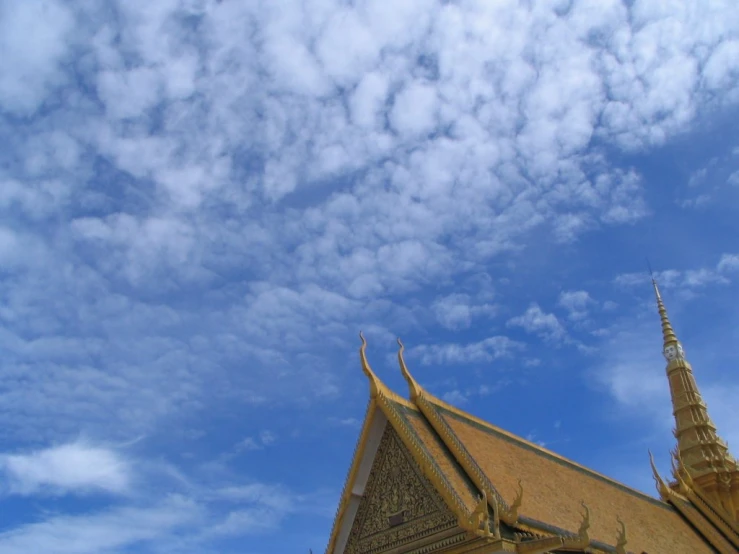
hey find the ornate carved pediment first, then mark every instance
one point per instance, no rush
(400, 506)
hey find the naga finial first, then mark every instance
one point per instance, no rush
(674, 464)
(621, 540)
(478, 521)
(683, 469)
(366, 367)
(582, 539)
(661, 486)
(585, 525)
(517, 501)
(413, 387)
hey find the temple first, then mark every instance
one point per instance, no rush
(427, 478)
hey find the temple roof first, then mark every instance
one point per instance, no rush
(555, 488)
(425, 446)
(528, 487)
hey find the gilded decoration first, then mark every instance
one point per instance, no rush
(400, 506)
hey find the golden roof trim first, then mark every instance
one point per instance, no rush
(421, 399)
(709, 533)
(539, 546)
(377, 390)
(501, 511)
(709, 510)
(384, 398)
(705, 526)
(429, 467)
(346, 492)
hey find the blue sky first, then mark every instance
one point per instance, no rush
(203, 202)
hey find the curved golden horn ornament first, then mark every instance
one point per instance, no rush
(621, 540)
(661, 486)
(374, 387)
(413, 387)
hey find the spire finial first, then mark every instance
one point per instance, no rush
(668, 333)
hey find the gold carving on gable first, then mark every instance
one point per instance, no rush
(400, 506)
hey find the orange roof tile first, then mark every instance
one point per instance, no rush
(554, 488)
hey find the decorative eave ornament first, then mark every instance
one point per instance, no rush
(662, 488)
(375, 384)
(621, 539)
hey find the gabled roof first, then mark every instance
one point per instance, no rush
(555, 488)
(552, 501)
(427, 449)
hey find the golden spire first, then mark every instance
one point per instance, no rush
(668, 333)
(702, 459)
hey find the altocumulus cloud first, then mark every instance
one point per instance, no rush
(68, 468)
(106, 531)
(189, 184)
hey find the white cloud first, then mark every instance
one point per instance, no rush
(414, 110)
(265, 438)
(631, 370)
(129, 93)
(535, 321)
(368, 100)
(454, 397)
(69, 468)
(34, 36)
(262, 507)
(105, 531)
(685, 280)
(722, 407)
(728, 262)
(576, 303)
(720, 70)
(486, 350)
(351, 422)
(249, 443)
(456, 311)
(697, 177)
